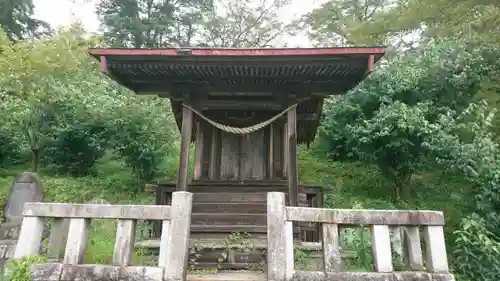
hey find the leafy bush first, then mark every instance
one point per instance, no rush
(19, 270)
(143, 135)
(75, 151)
(477, 251)
(388, 118)
(9, 149)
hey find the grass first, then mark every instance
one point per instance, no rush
(114, 182)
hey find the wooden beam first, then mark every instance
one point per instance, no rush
(186, 131)
(239, 104)
(305, 117)
(330, 88)
(285, 149)
(235, 79)
(293, 187)
(198, 156)
(271, 152)
(213, 169)
(371, 63)
(300, 117)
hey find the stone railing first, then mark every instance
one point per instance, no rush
(172, 263)
(280, 243)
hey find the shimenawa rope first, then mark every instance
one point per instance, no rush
(236, 130)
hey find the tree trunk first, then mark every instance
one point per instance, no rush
(35, 156)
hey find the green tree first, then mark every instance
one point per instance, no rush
(331, 23)
(475, 19)
(387, 120)
(32, 76)
(151, 23)
(246, 23)
(18, 22)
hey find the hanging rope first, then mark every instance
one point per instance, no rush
(236, 130)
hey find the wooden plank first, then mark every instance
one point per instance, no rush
(270, 167)
(365, 217)
(230, 186)
(278, 151)
(186, 131)
(436, 258)
(230, 156)
(97, 211)
(252, 156)
(236, 197)
(331, 248)
(215, 155)
(124, 242)
(207, 144)
(228, 219)
(381, 248)
(230, 207)
(198, 156)
(285, 150)
(77, 241)
(293, 176)
(228, 229)
(274, 182)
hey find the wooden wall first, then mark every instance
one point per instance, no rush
(224, 156)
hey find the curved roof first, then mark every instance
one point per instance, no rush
(243, 79)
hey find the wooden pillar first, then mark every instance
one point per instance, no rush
(291, 137)
(270, 162)
(198, 155)
(214, 166)
(285, 150)
(186, 131)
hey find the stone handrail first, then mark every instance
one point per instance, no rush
(280, 242)
(172, 264)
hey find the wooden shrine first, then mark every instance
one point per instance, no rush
(246, 110)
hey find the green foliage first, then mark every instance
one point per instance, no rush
(151, 24)
(19, 270)
(72, 114)
(18, 21)
(144, 135)
(387, 120)
(419, 113)
(477, 251)
(75, 150)
(9, 149)
(331, 24)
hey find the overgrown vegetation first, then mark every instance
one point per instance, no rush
(419, 133)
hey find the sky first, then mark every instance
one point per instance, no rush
(64, 12)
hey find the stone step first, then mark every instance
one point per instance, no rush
(228, 228)
(238, 253)
(257, 197)
(229, 276)
(219, 236)
(224, 242)
(230, 207)
(232, 219)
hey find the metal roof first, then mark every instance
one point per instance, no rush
(332, 70)
(174, 72)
